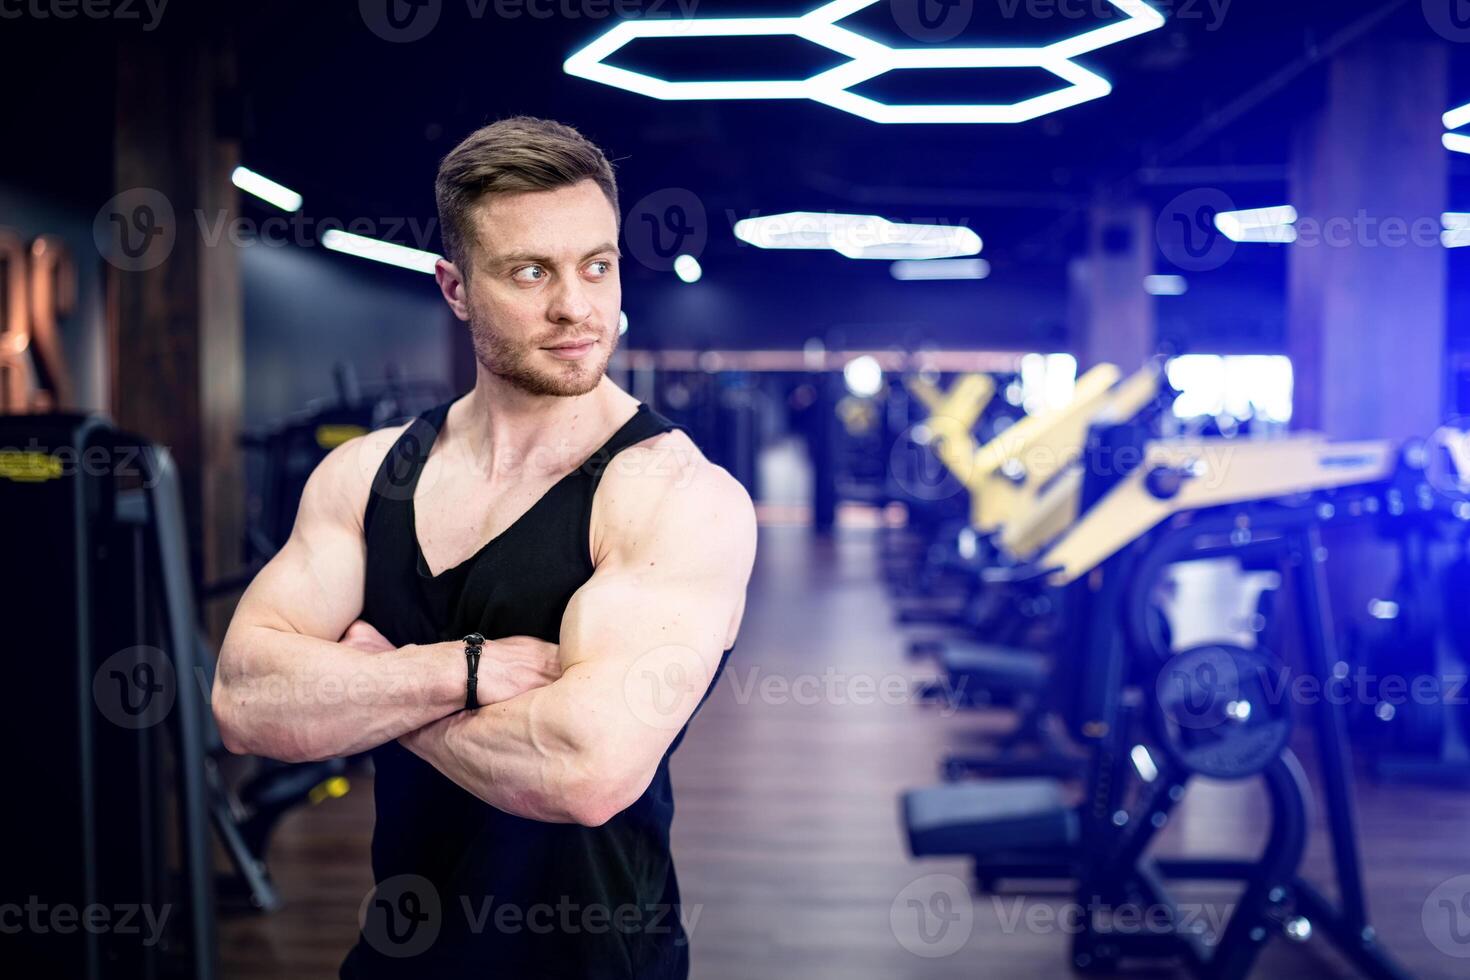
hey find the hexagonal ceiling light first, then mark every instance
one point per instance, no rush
(868, 59)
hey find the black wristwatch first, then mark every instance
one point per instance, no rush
(473, 645)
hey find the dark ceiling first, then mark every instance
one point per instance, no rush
(358, 123)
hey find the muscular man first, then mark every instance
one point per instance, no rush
(523, 819)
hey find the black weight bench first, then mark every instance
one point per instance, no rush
(991, 818)
(986, 666)
(990, 675)
(986, 674)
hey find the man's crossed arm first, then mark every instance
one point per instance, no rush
(640, 644)
(300, 679)
(570, 733)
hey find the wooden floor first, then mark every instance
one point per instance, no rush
(787, 837)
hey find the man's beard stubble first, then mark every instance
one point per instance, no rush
(513, 363)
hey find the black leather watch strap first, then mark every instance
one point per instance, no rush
(473, 646)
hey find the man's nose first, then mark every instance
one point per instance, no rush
(570, 304)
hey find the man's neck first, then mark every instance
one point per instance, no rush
(504, 430)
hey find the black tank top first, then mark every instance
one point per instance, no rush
(465, 889)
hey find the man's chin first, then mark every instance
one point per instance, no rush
(564, 381)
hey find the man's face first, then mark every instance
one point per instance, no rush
(544, 294)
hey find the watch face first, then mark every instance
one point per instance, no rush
(475, 639)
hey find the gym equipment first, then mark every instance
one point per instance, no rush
(1215, 715)
(948, 429)
(1026, 485)
(285, 454)
(1042, 506)
(108, 678)
(950, 552)
(1004, 661)
(1193, 475)
(1412, 647)
(1010, 472)
(1213, 712)
(119, 496)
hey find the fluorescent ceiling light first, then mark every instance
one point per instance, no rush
(1272, 225)
(266, 189)
(686, 267)
(909, 270)
(858, 236)
(378, 251)
(1457, 117)
(1165, 285)
(863, 376)
(1456, 232)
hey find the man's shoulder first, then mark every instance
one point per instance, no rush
(666, 482)
(343, 481)
(661, 467)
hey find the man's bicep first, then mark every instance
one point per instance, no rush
(623, 610)
(639, 653)
(314, 585)
(675, 579)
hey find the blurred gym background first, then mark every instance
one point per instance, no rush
(1099, 387)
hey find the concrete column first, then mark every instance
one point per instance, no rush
(1366, 319)
(177, 346)
(1113, 317)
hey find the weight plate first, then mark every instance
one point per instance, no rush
(1221, 711)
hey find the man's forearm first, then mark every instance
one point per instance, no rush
(298, 698)
(552, 754)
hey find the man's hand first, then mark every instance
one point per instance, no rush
(508, 667)
(362, 636)
(515, 665)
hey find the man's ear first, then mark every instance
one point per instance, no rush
(452, 284)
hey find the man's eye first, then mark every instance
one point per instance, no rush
(606, 267)
(525, 274)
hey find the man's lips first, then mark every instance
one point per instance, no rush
(571, 350)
